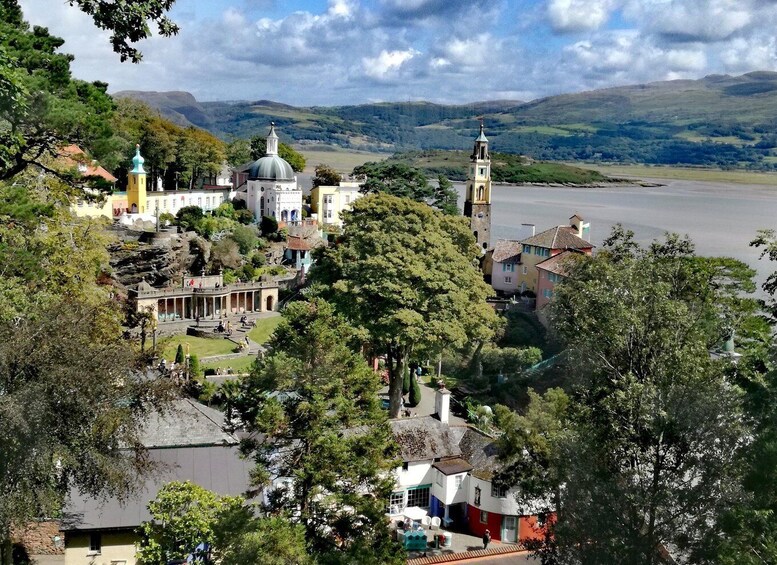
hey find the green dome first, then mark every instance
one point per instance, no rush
(137, 161)
(271, 167)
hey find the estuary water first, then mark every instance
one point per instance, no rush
(721, 218)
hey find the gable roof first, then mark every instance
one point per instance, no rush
(559, 264)
(560, 237)
(73, 155)
(482, 453)
(423, 438)
(507, 250)
(187, 423)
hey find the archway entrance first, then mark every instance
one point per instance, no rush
(270, 303)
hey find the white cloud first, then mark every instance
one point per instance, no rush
(692, 20)
(387, 63)
(579, 15)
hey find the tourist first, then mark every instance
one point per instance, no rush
(486, 539)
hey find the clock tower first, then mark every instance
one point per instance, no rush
(477, 204)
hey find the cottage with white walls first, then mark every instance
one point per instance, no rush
(447, 469)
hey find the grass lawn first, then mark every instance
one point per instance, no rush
(199, 346)
(687, 173)
(264, 329)
(237, 364)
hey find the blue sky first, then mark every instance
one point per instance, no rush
(335, 52)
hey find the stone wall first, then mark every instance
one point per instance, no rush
(39, 538)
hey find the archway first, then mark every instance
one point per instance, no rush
(481, 192)
(270, 303)
(284, 215)
(134, 209)
(294, 215)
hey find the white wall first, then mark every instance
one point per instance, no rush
(419, 473)
(498, 276)
(507, 505)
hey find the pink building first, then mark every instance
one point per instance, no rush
(552, 271)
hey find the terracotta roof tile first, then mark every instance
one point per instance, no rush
(507, 250)
(560, 237)
(558, 264)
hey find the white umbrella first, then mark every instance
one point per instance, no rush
(415, 512)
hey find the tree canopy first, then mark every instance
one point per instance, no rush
(646, 454)
(316, 401)
(408, 275)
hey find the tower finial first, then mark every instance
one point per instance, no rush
(272, 141)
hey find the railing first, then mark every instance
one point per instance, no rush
(211, 291)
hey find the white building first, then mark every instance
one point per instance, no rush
(271, 187)
(328, 202)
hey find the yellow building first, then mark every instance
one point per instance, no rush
(328, 202)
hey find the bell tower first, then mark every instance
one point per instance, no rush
(136, 187)
(477, 203)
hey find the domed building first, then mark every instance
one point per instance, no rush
(271, 186)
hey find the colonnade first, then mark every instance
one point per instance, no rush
(211, 307)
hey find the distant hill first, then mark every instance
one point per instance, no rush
(719, 120)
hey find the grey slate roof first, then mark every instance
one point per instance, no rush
(507, 250)
(560, 237)
(482, 453)
(215, 468)
(424, 438)
(187, 423)
(186, 443)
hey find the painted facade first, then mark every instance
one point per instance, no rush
(328, 202)
(550, 243)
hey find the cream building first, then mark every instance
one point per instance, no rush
(328, 202)
(138, 202)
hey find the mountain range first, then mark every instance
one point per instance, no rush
(720, 120)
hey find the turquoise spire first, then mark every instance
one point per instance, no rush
(137, 162)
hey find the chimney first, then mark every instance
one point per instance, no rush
(442, 404)
(577, 223)
(529, 227)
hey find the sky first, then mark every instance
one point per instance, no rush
(338, 52)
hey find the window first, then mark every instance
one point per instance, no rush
(525, 270)
(508, 279)
(459, 481)
(95, 542)
(542, 251)
(405, 466)
(164, 204)
(482, 170)
(418, 497)
(498, 492)
(508, 267)
(547, 293)
(347, 198)
(397, 502)
(527, 248)
(199, 201)
(483, 517)
(440, 478)
(553, 277)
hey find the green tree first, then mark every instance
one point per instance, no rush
(407, 274)
(406, 383)
(650, 456)
(41, 106)
(238, 152)
(72, 411)
(246, 238)
(240, 538)
(179, 356)
(195, 370)
(328, 434)
(415, 392)
(188, 217)
(183, 515)
(446, 199)
(259, 149)
(396, 179)
(268, 226)
(326, 176)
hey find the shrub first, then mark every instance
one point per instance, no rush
(179, 357)
(268, 225)
(415, 392)
(195, 370)
(406, 383)
(244, 217)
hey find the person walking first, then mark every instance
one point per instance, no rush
(486, 539)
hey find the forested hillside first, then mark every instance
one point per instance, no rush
(718, 120)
